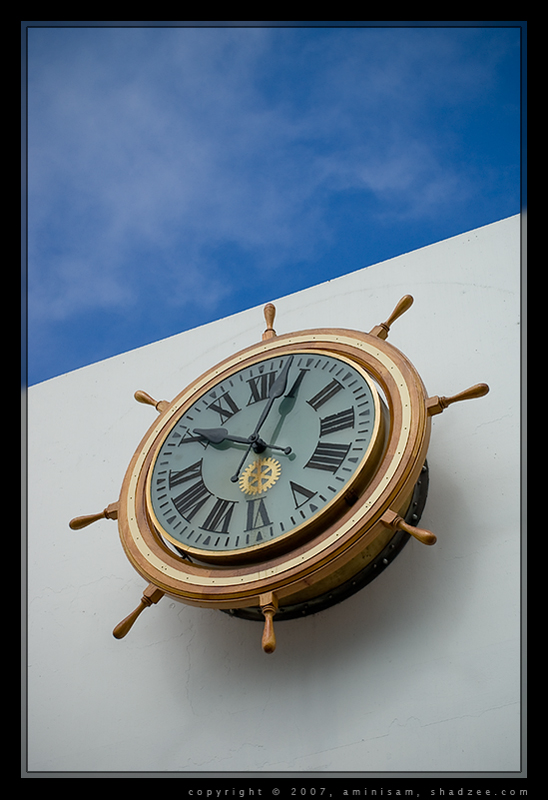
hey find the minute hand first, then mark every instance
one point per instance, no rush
(276, 390)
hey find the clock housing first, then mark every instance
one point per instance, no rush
(282, 479)
(350, 524)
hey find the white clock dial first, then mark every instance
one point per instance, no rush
(263, 452)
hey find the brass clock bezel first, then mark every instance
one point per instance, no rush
(343, 538)
(306, 529)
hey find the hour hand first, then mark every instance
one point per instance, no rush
(217, 435)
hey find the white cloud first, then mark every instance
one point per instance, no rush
(176, 141)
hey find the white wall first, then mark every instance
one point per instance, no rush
(418, 672)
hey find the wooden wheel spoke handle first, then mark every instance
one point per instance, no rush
(269, 606)
(144, 397)
(394, 521)
(151, 595)
(435, 405)
(383, 329)
(269, 314)
(110, 512)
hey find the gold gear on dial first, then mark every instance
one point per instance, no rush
(260, 476)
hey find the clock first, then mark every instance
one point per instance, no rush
(283, 479)
(265, 455)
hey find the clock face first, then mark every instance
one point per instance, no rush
(263, 454)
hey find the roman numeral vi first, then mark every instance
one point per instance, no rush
(257, 515)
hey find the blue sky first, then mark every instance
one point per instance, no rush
(178, 174)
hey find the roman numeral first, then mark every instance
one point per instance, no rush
(301, 494)
(257, 515)
(219, 517)
(337, 422)
(326, 394)
(192, 473)
(328, 456)
(225, 407)
(188, 437)
(260, 386)
(190, 501)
